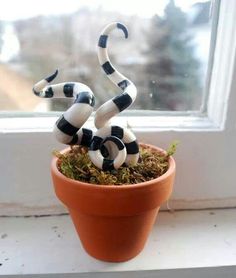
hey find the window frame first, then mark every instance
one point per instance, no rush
(205, 156)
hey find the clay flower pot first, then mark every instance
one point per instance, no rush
(113, 222)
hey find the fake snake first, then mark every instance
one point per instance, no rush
(110, 146)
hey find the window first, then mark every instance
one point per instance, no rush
(166, 55)
(205, 157)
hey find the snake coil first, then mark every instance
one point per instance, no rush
(110, 146)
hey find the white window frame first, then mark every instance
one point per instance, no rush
(205, 157)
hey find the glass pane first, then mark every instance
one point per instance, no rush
(166, 55)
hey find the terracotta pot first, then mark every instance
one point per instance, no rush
(113, 222)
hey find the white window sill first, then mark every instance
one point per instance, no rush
(182, 244)
(145, 122)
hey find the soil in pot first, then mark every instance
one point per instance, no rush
(76, 164)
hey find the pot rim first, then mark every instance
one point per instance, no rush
(171, 169)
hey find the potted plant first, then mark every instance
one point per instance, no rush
(112, 186)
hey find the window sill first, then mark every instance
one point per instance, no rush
(27, 144)
(202, 243)
(154, 122)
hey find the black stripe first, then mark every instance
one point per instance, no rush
(68, 89)
(85, 97)
(107, 164)
(123, 84)
(120, 145)
(96, 143)
(103, 41)
(86, 137)
(51, 77)
(74, 140)
(123, 101)
(132, 147)
(104, 151)
(117, 131)
(35, 92)
(107, 67)
(64, 126)
(49, 92)
(123, 28)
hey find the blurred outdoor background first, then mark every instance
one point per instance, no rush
(166, 55)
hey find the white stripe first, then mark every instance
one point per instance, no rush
(97, 158)
(104, 113)
(80, 87)
(40, 85)
(102, 55)
(131, 159)
(78, 114)
(120, 159)
(80, 135)
(58, 90)
(128, 136)
(116, 77)
(103, 132)
(61, 136)
(109, 28)
(132, 91)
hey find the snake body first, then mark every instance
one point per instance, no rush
(110, 146)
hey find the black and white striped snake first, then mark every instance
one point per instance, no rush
(110, 146)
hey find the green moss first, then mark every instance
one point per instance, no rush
(77, 165)
(172, 148)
